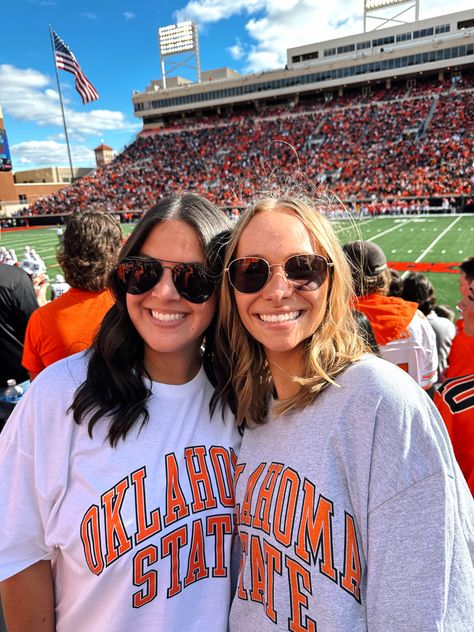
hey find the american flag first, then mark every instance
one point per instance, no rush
(65, 60)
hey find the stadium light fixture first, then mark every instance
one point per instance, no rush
(176, 39)
(382, 12)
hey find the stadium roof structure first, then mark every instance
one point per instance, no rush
(430, 47)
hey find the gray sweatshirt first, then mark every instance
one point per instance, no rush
(354, 515)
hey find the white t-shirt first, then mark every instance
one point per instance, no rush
(416, 354)
(139, 535)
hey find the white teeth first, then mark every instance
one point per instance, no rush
(279, 318)
(167, 318)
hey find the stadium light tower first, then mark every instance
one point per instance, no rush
(390, 12)
(176, 39)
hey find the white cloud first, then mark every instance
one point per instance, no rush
(275, 25)
(203, 11)
(27, 96)
(89, 16)
(42, 153)
(128, 15)
(237, 50)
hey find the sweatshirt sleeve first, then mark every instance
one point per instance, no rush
(420, 524)
(420, 572)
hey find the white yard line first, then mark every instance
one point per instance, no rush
(433, 243)
(389, 230)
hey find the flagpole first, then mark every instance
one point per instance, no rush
(62, 106)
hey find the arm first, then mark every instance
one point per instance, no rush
(420, 573)
(28, 599)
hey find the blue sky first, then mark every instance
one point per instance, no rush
(116, 44)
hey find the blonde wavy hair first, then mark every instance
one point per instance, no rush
(244, 378)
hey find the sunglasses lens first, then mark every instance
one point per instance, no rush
(306, 272)
(192, 282)
(138, 277)
(248, 275)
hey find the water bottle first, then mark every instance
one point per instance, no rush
(13, 392)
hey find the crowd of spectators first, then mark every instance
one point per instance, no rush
(388, 147)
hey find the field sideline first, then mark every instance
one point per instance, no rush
(431, 244)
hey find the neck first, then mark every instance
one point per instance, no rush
(171, 370)
(283, 367)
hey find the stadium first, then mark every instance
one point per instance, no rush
(382, 121)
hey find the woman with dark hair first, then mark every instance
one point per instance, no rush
(419, 289)
(352, 512)
(115, 478)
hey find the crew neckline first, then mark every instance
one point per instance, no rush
(180, 390)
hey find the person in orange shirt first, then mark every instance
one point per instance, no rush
(461, 356)
(87, 255)
(455, 400)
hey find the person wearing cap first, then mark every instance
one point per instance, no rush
(403, 333)
(62, 327)
(455, 400)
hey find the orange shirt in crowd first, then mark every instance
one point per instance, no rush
(461, 355)
(63, 327)
(455, 402)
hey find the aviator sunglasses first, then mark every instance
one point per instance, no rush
(304, 272)
(138, 275)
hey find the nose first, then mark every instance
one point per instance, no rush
(278, 287)
(165, 288)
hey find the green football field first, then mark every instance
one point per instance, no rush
(433, 245)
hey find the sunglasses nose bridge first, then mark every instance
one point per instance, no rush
(277, 281)
(166, 282)
(283, 272)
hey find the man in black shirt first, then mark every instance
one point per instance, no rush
(17, 302)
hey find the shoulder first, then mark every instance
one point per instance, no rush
(408, 438)
(45, 311)
(13, 275)
(62, 377)
(374, 375)
(421, 324)
(39, 419)
(384, 399)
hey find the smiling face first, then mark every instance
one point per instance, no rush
(466, 305)
(171, 327)
(278, 316)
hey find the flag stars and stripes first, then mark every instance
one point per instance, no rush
(65, 60)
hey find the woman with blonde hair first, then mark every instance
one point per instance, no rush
(351, 509)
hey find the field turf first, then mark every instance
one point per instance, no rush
(434, 245)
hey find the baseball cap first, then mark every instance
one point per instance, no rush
(365, 256)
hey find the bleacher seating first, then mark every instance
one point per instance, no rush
(388, 144)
